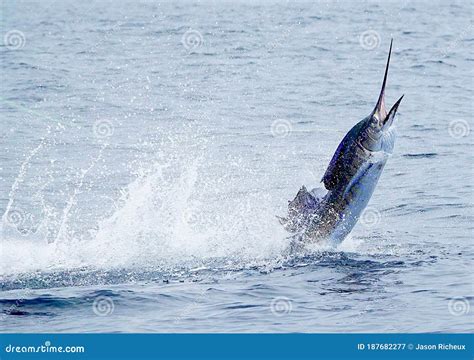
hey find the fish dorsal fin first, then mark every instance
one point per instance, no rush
(302, 199)
(301, 208)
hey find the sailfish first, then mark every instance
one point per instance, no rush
(331, 212)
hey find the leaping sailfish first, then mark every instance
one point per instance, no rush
(350, 179)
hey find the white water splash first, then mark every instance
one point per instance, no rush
(173, 213)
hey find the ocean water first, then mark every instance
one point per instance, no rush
(147, 147)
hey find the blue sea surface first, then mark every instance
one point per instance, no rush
(146, 148)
